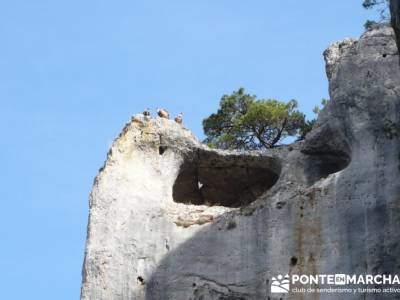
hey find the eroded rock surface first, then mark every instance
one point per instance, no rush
(173, 219)
(395, 19)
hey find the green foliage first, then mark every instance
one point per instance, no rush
(368, 4)
(308, 125)
(369, 24)
(317, 109)
(244, 122)
(306, 128)
(381, 6)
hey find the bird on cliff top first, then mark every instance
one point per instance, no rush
(146, 113)
(179, 118)
(163, 113)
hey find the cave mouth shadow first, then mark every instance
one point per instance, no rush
(321, 165)
(233, 180)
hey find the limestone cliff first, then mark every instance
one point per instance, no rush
(394, 7)
(173, 219)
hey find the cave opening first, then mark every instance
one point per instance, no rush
(209, 178)
(327, 151)
(321, 165)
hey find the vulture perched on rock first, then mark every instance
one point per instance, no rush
(179, 118)
(163, 113)
(146, 113)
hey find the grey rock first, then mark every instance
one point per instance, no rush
(172, 219)
(395, 20)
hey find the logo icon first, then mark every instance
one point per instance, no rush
(280, 284)
(340, 279)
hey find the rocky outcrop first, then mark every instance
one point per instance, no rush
(395, 19)
(173, 219)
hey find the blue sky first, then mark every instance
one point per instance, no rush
(73, 72)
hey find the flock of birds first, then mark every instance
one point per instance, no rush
(163, 113)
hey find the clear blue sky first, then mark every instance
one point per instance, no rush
(73, 72)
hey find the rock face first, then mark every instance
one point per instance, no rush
(395, 19)
(173, 219)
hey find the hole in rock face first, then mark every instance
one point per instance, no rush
(162, 149)
(293, 261)
(210, 178)
(327, 151)
(321, 165)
